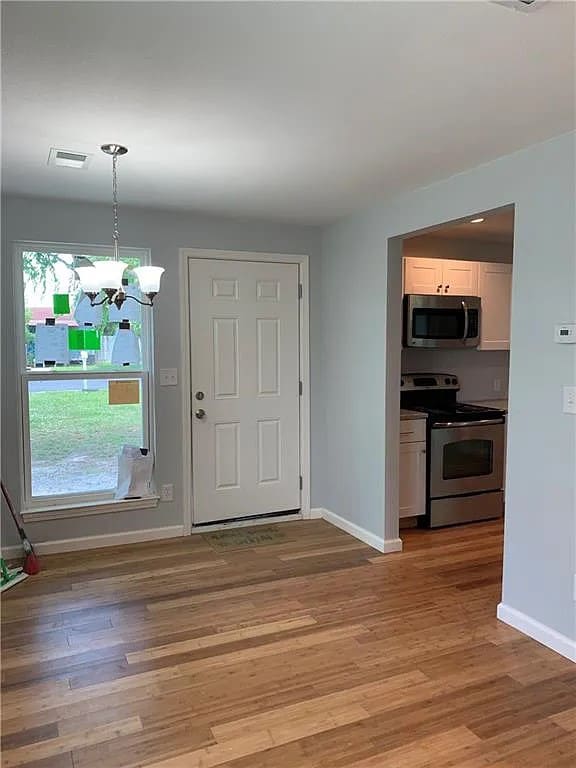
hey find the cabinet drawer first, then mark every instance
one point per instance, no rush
(412, 430)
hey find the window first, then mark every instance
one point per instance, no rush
(85, 377)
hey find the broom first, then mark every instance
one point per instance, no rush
(31, 562)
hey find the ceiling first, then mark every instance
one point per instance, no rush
(290, 111)
(497, 227)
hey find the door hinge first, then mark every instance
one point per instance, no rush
(301, 482)
(300, 388)
(299, 290)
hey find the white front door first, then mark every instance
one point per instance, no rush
(244, 338)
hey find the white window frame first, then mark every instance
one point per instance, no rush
(75, 501)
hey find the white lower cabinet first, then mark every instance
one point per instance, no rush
(412, 478)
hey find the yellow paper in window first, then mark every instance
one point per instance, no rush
(124, 392)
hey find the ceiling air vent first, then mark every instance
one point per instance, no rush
(66, 159)
(522, 5)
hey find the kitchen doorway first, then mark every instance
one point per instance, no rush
(451, 317)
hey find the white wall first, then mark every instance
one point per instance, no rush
(164, 232)
(360, 326)
(476, 369)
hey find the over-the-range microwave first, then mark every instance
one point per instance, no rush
(432, 322)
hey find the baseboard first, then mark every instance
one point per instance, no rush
(537, 631)
(392, 545)
(316, 513)
(382, 545)
(12, 552)
(96, 542)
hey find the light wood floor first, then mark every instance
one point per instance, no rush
(315, 652)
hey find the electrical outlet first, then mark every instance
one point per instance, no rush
(167, 492)
(168, 377)
(569, 400)
(497, 385)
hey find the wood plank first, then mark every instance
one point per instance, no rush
(63, 744)
(221, 638)
(315, 652)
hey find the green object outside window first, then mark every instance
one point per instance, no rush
(61, 303)
(91, 339)
(83, 339)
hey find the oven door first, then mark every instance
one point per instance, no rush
(441, 321)
(466, 457)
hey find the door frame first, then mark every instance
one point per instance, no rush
(185, 257)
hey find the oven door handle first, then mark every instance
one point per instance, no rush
(466, 321)
(479, 423)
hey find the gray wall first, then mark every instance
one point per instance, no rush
(164, 232)
(476, 369)
(360, 327)
(436, 247)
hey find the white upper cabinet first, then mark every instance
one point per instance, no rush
(495, 290)
(422, 275)
(460, 278)
(440, 276)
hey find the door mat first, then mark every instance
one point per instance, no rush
(239, 538)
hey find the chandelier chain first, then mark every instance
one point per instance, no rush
(115, 233)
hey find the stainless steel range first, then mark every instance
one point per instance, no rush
(465, 455)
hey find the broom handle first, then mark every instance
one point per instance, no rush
(15, 516)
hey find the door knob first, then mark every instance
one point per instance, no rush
(200, 413)
(446, 289)
(439, 288)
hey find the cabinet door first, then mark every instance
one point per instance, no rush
(460, 278)
(495, 290)
(422, 275)
(412, 479)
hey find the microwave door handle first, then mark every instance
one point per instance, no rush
(466, 321)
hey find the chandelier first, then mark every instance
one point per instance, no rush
(106, 276)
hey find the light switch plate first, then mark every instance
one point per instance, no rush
(168, 377)
(565, 333)
(569, 400)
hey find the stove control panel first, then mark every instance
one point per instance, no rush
(422, 381)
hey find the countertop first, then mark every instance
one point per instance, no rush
(405, 414)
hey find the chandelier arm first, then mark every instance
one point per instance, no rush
(98, 303)
(134, 298)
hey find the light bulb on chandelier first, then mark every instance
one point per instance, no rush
(106, 276)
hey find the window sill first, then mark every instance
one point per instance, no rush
(38, 514)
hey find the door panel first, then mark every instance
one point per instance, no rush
(227, 455)
(268, 450)
(244, 331)
(268, 330)
(225, 348)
